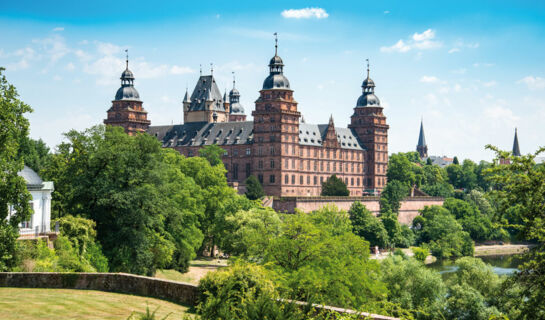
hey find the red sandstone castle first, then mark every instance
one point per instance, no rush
(287, 155)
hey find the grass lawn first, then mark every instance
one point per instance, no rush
(197, 269)
(23, 303)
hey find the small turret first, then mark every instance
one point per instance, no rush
(516, 148)
(422, 147)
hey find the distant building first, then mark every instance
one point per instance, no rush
(422, 147)
(515, 151)
(442, 161)
(39, 224)
(127, 110)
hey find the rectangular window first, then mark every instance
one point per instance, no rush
(272, 164)
(248, 151)
(286, 179)
(271, 178)
(235, 153)
(260, 164)
(315, 180)
(248, 169)
(235, 171)
(301, 180)
(292, 179)
(260, 178)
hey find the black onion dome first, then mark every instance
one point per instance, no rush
(234, 92)
(276, 81)
(127, 92)
(368, 99)
(237, 108)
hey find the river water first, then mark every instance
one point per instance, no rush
(502, 265)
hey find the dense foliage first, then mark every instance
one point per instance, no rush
(334, 187)
(254, 189)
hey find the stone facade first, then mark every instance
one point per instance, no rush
(287, 155)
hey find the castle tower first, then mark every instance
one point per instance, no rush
(126, 110)
(422, 147)
(236, 111)
(206, 103)
(276, 128)
(516, 148)
(370, 125)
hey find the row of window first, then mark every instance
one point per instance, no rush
(272, 179)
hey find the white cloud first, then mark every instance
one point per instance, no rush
(386, 12)
(453, 50)
(305, 13)
(180, 70)
(107, 49)
(57, 29)
(418, 41)
(400, 46)
(429, 79)
(426, 35)
(54, 47)
(57, 78)
(457, 87)
(533, 83)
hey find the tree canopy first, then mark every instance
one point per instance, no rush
(335, 187)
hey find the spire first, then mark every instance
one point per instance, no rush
(367, 67)
(211, 69)
(127, 60)
(200, 70)
(422, 147)
(275, 43)
(516, 149)
(331, 121)
(303, 119)
(233, 79)
(225, 96)
(186, 97)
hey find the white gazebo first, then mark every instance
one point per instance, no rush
(39, 224)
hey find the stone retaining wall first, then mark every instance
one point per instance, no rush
(409, 209)
(179, 292)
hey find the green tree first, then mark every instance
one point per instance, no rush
(34, 153)
(317, 258)
(14, 196)
(414, 286)
(247, 232)
(392, 195)
(254, 189)
(335, 187)
(520, 187)
(456, 161)
(445, 236)
(146, 209)
(398, 235)
(472, 290)
(213, 153)
(455, 175)
(367, 226)
(401, 169)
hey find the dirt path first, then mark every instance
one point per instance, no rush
(501, 249)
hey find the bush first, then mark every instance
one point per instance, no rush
(420, 254)
(254, 190)
(334, 186)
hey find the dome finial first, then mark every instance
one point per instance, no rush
(211, 68)
(127, 59)
(367, 67)
(233, 79)
(275, 43)
(200, 69)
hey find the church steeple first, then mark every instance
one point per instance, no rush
(516, 148)
(422, 147)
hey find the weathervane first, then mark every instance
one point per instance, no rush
(200, 69)
(367, 67)
(233, 79)
(211, 68)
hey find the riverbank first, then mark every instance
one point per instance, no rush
(500, 250)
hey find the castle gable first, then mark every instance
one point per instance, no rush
(314, 135)
(206, 90)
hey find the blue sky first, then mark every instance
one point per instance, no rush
(474, 70)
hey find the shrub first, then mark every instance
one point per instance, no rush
(420, 254)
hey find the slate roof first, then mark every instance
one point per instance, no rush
(203, 133)
(237, 133)
(440, 161)
(314, 134)
(421, 137)
(206, 89)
